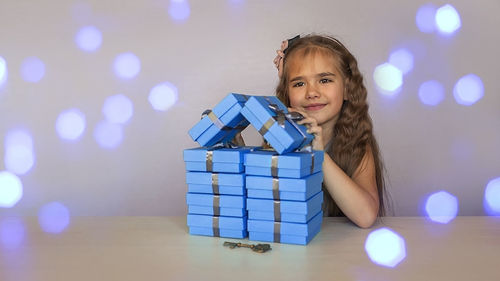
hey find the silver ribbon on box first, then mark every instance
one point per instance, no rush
(215, 226)
(276, 189)
(215, 184)
(277, 210)
(277, 232)
(216, 205)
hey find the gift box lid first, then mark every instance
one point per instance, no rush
(215, 178)
(284, 184)
(219, 189)
(201, 199)
(216, 154)
(234, 168)
(285, 206)
(205, 210)
(284, 217)
(292, 160)
(221, 222)
(269, 116)
(286, 228)
(221, 122)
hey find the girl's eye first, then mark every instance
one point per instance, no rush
(325, 80)
(298, 84)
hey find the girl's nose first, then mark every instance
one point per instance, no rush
(312, 92)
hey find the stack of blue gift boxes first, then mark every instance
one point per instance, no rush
(269, 195)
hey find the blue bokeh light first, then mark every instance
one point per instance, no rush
(70, 124)
(19, 155)
(108, 135)
(431, 93)
(468, 90)
(441, 207)
(89, 38)
(492, 197)
(127, 65)
(425, 18)
(385, 247)
(402, 59)
(11, 189)
(163, 96)
(179, 10)
(118, 109)
(447, 20)
(388, 78)
(3, 71)
(53, 217)
(12, 232)
(32, 69)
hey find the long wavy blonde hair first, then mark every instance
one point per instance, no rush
(353, 131)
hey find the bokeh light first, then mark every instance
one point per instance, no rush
(468, 90)
(388, 79)
(12, 232)
(385, 247)
(441, 207)
(108, 135)
(447, 20)
(425, 18)
(179, 10)
(3, 71)
(11, 189)
(163, 96)
(32, 69)
(431, 93)
(118, 109)
(89, 38)
(492, 197)
(402, 59)
(70, 124)
(53, 217)
(127, 65)
(19, 155)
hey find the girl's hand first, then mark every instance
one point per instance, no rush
(278, 60)
(312, 128)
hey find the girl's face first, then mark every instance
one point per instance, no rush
(316, 86)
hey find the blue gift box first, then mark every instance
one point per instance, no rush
(285, 232)
(216, 183)
(216, 201)
(283, 210)
(222, 211)
(290, 165)
(267, 115)
(219, 226)
(218, 159)
(283, 188)
(222, 123)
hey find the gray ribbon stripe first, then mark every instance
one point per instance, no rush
(277, 210)
(276, 189)
(216, 205)
(215, 226)
(274, 166)
(277, 230)
(215, 184)
(209, 160)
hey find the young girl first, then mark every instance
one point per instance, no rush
(320, 78)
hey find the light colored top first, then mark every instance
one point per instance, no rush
(160, 248)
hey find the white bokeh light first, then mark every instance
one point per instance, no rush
(447, 20)
(19, 153)
(431, 93)
(3, 71)
(492, 197)
(108, 135)
(163, 96)
(32, 69)
(441, 207)
(89, 38)
(118, 109)
(11, 189)
(385, 247)
(402, 59)
(127, 65)
(425, 18)
(179, 10)
(388, 79)
(468, 90)
(53, 217)
(70, 124)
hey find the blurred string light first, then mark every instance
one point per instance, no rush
(12, 232)
(179, 10)
(441, 207)
(431, 93)
(89, 38)
(108, 135)
(468, 90)
(447, 20)
(492, 197)
(425, 18)
(385, 247)
(32, 69)
(53, 217)
(19, 156)
(70, 124)
(163, 96)
(3, 71)
(402, 59)
(118, 109)
(388, 78)
(11, 189)
(126, 65)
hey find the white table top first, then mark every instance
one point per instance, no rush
(160, 248)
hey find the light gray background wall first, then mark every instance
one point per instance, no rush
(226, 47)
